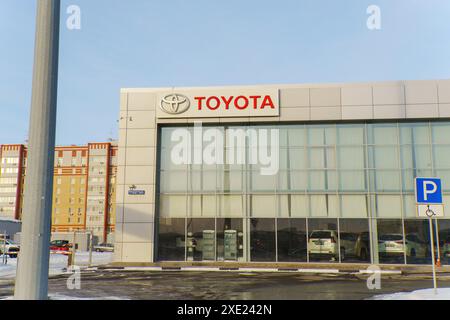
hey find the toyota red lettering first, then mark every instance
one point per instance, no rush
(240, 106)
(219, 103)
(209, 104)
(255, 101)
(227, 102)
(239, 103)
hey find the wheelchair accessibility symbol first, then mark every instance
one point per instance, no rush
(430, 213)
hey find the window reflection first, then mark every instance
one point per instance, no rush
(171, 240)
(417, 242)
(262, 239)
(350, 171)
(444, 240)
(390, 241)
(200, 240)
(323, 243)
(292, 243)
(354, 240)
(230, 240)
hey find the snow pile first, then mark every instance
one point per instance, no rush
(425, 294)
(58, 262)
(9, 270)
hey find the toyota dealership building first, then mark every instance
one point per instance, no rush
(281, 173)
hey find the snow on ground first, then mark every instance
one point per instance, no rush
(58, 296)
(425, 294)
(58, 262)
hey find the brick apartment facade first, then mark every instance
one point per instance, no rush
(83, 188)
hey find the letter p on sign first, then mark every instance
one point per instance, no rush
(428, 191)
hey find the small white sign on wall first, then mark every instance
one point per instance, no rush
(430, 211)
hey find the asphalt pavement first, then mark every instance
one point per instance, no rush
(140, 285)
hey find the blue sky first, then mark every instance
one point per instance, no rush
(156, 43)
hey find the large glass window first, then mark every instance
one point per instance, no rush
(323, 242)
(417, 241)
(230, 240)
(201, 240)
(262, 240)
(171, 240)
(354, 240)
(292, 240)
(444, 240)
(350, 172)
(390, 241)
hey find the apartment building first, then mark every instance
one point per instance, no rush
(83, 187)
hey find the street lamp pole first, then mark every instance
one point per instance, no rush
(33, 265)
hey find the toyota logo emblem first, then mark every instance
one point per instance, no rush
(175, 104)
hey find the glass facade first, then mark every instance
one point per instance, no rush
(342, 193)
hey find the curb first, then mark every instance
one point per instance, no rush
(224, 269)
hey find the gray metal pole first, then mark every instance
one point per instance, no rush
(437, 245)
(32, 269)
(433, 261)
(91, 238)
(74, 247)
(5, 257)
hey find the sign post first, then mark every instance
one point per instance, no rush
(438, 260)
(430, 220)
(429, 204)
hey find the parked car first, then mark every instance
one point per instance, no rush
(11, 248)
(104, 247)
(392, 244)
(60, 245)
(325, 243)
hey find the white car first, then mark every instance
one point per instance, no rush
(104, 247)
(325, 243)
(11, 249)
(392, 244)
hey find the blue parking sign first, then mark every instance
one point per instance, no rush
(428, 191)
